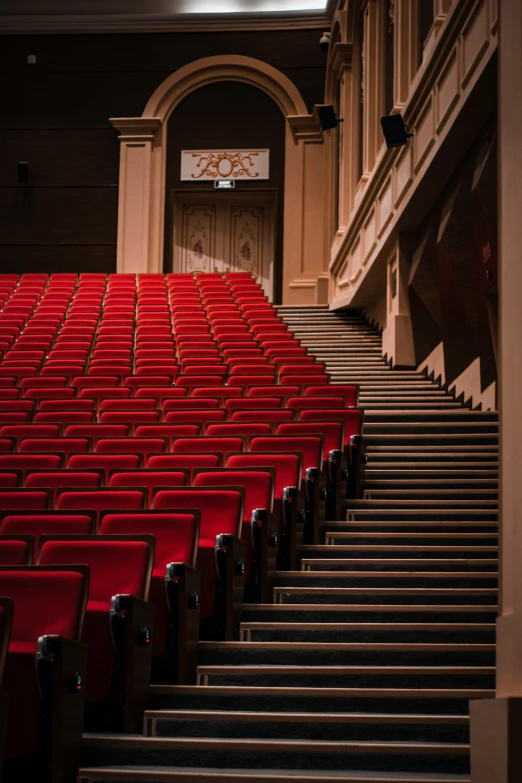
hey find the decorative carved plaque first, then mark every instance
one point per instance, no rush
(211, 165)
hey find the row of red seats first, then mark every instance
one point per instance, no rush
(233, 477)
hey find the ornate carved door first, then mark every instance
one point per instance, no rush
(225, 232)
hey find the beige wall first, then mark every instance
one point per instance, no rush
(496, 725)
(431, 97)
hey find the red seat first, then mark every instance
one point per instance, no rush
(142, 446)
(221, 513)
(177, 537)
(311, 447)
(30, 461)
(24, 499)
(161, 393)
(149, 478)
(55, 445)
(47, 523)
(9, 479)
(142, 404)
(304, 380)
(129, 417)
(352, 418)
(193, 381)
(190, 404)
(333, 433)
(202, 444)
(118, 567)
(239, 428)
(55, 480)
(95, 431)
(16, 550)
(349, 392)
(64, 417)
(199, 416)
(47, 602)
(105, 462)
(100, 499)
(310, 403)
(69, 405)
(262, 415)
(20, 431)
(185, 461)
(257, 403)
(252, 380)
(258, 485)
(169, 430)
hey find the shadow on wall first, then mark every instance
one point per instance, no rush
(453, 278)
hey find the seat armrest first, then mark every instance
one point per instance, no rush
(294, 520)
(61, 665)
(338, 475)
(265, 548)
(183, 585)
(357, 460)
(132, 627)
(230, 565)
(316, 496)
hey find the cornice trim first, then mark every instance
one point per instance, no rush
(153, 23)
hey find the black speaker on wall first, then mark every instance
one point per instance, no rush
(327, 117)
(396, 133)
(23, 172)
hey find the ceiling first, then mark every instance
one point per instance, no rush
(40, 16)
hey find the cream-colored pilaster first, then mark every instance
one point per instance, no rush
(134, 206)
(496, 724)
(397, 336)
(440, 12)
(305, 260)
(406, 49)
(374, 53)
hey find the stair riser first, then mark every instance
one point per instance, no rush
(316, 579)
(308, 702)
(486, 681)
(350, 657)
(295, 615)
(371, 732)
(450, 540)
(452, 636)
(376, 600)
(416, 564)
(299, 759)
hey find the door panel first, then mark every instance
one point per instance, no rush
(232, 233)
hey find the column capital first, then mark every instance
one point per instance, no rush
(306, 127)
(136, 128)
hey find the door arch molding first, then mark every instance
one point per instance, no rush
(141, 204)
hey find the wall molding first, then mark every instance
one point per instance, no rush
(466, 42)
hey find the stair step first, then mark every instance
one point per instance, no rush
(317, 672)
(371, 632)
(426, 701)
(379, 598)
(398, 578)
(422, 653)
(294, 754)
(307, 725)
(184, 775)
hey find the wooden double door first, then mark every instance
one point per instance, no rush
(225, 232)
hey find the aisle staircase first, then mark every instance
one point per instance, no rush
(362, 668)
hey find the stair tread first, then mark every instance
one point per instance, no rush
(187, 774)
(304, 717)
(119, 740)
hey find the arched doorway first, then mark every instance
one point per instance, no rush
(142, 197)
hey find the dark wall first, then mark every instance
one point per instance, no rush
(235, 116)
(55, 116)
(453, 279)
